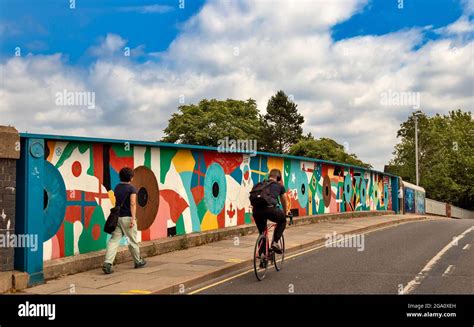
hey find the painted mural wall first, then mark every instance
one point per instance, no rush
(414, 198)
(184, 190)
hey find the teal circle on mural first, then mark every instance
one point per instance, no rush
(385, 196)
(363, 192)
(215, 188)
(54, 202)
(303, 191)
(375, 194)
(348, 189)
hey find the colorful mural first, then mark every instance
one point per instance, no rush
(184, 190)
(414, 198)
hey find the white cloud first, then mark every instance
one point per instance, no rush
(150, 9)
(244, 49)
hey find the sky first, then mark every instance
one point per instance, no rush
(356, 68)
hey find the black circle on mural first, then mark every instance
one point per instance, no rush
(148, 197)
(363, 192)
(326, 191)
(142, 197)
(45, 199)
(303, 189)
(215, 189)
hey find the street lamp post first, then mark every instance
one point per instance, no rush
(416, 150)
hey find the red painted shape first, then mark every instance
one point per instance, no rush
(246, 175)
(176, 203)
(228, 161)
(146, 235)
(73, 213)
(240, 216)
(96, 232)
(118, 163)
(76, 168)
(60, 235)
(221, 219)
(97, 151)
(88, 211)
(198, 193)
(231, 212)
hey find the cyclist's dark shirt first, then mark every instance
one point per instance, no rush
(276, 189)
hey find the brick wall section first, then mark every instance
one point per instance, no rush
(9, 154)
(7, 210)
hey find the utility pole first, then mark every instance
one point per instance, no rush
(416, 149)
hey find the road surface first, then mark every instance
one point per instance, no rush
(426, 257)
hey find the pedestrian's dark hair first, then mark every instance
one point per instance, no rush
(126, 174)
(275, 173)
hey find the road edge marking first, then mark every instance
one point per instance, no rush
(411, 286)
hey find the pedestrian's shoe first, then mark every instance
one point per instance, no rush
(276, 247)
(140, 264)
(107, 268)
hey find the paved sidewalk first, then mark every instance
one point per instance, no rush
(177, 271)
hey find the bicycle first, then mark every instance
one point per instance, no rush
(263, 253)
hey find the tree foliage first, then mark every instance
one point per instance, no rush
(212, 120)
(325, 149)
(281, 125)
(446, 156)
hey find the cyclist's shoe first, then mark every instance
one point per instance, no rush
(276, 247)
(263, 263)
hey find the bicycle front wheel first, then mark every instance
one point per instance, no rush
(279, 258)
(260, 264)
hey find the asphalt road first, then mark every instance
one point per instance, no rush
(391, 258)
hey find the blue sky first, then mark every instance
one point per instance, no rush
(337, 58)
(47, 27)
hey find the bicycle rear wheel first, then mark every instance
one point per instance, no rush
(279, 258)
(260, 264)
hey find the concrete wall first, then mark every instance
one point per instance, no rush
(9, 153)
(435, 207)
(182, 189)
(461, 213)
(445, 209)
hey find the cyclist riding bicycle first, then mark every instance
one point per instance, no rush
(271, 211)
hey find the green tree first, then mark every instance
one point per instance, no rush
(212, 120)
(446, 156)
(325, 149)
(281, 125)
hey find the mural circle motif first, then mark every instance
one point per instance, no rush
(348, 189)
(302, 189)
(363, 192)
(148, 196)
(385, 196)
(215, 188)
(55, 200)
(326, 191)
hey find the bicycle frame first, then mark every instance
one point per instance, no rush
(265, 234)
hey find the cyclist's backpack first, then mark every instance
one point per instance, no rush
(260, 194)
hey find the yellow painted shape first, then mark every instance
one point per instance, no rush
(275, 162)
(112, 197)
(183, 161)
(209, 222)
